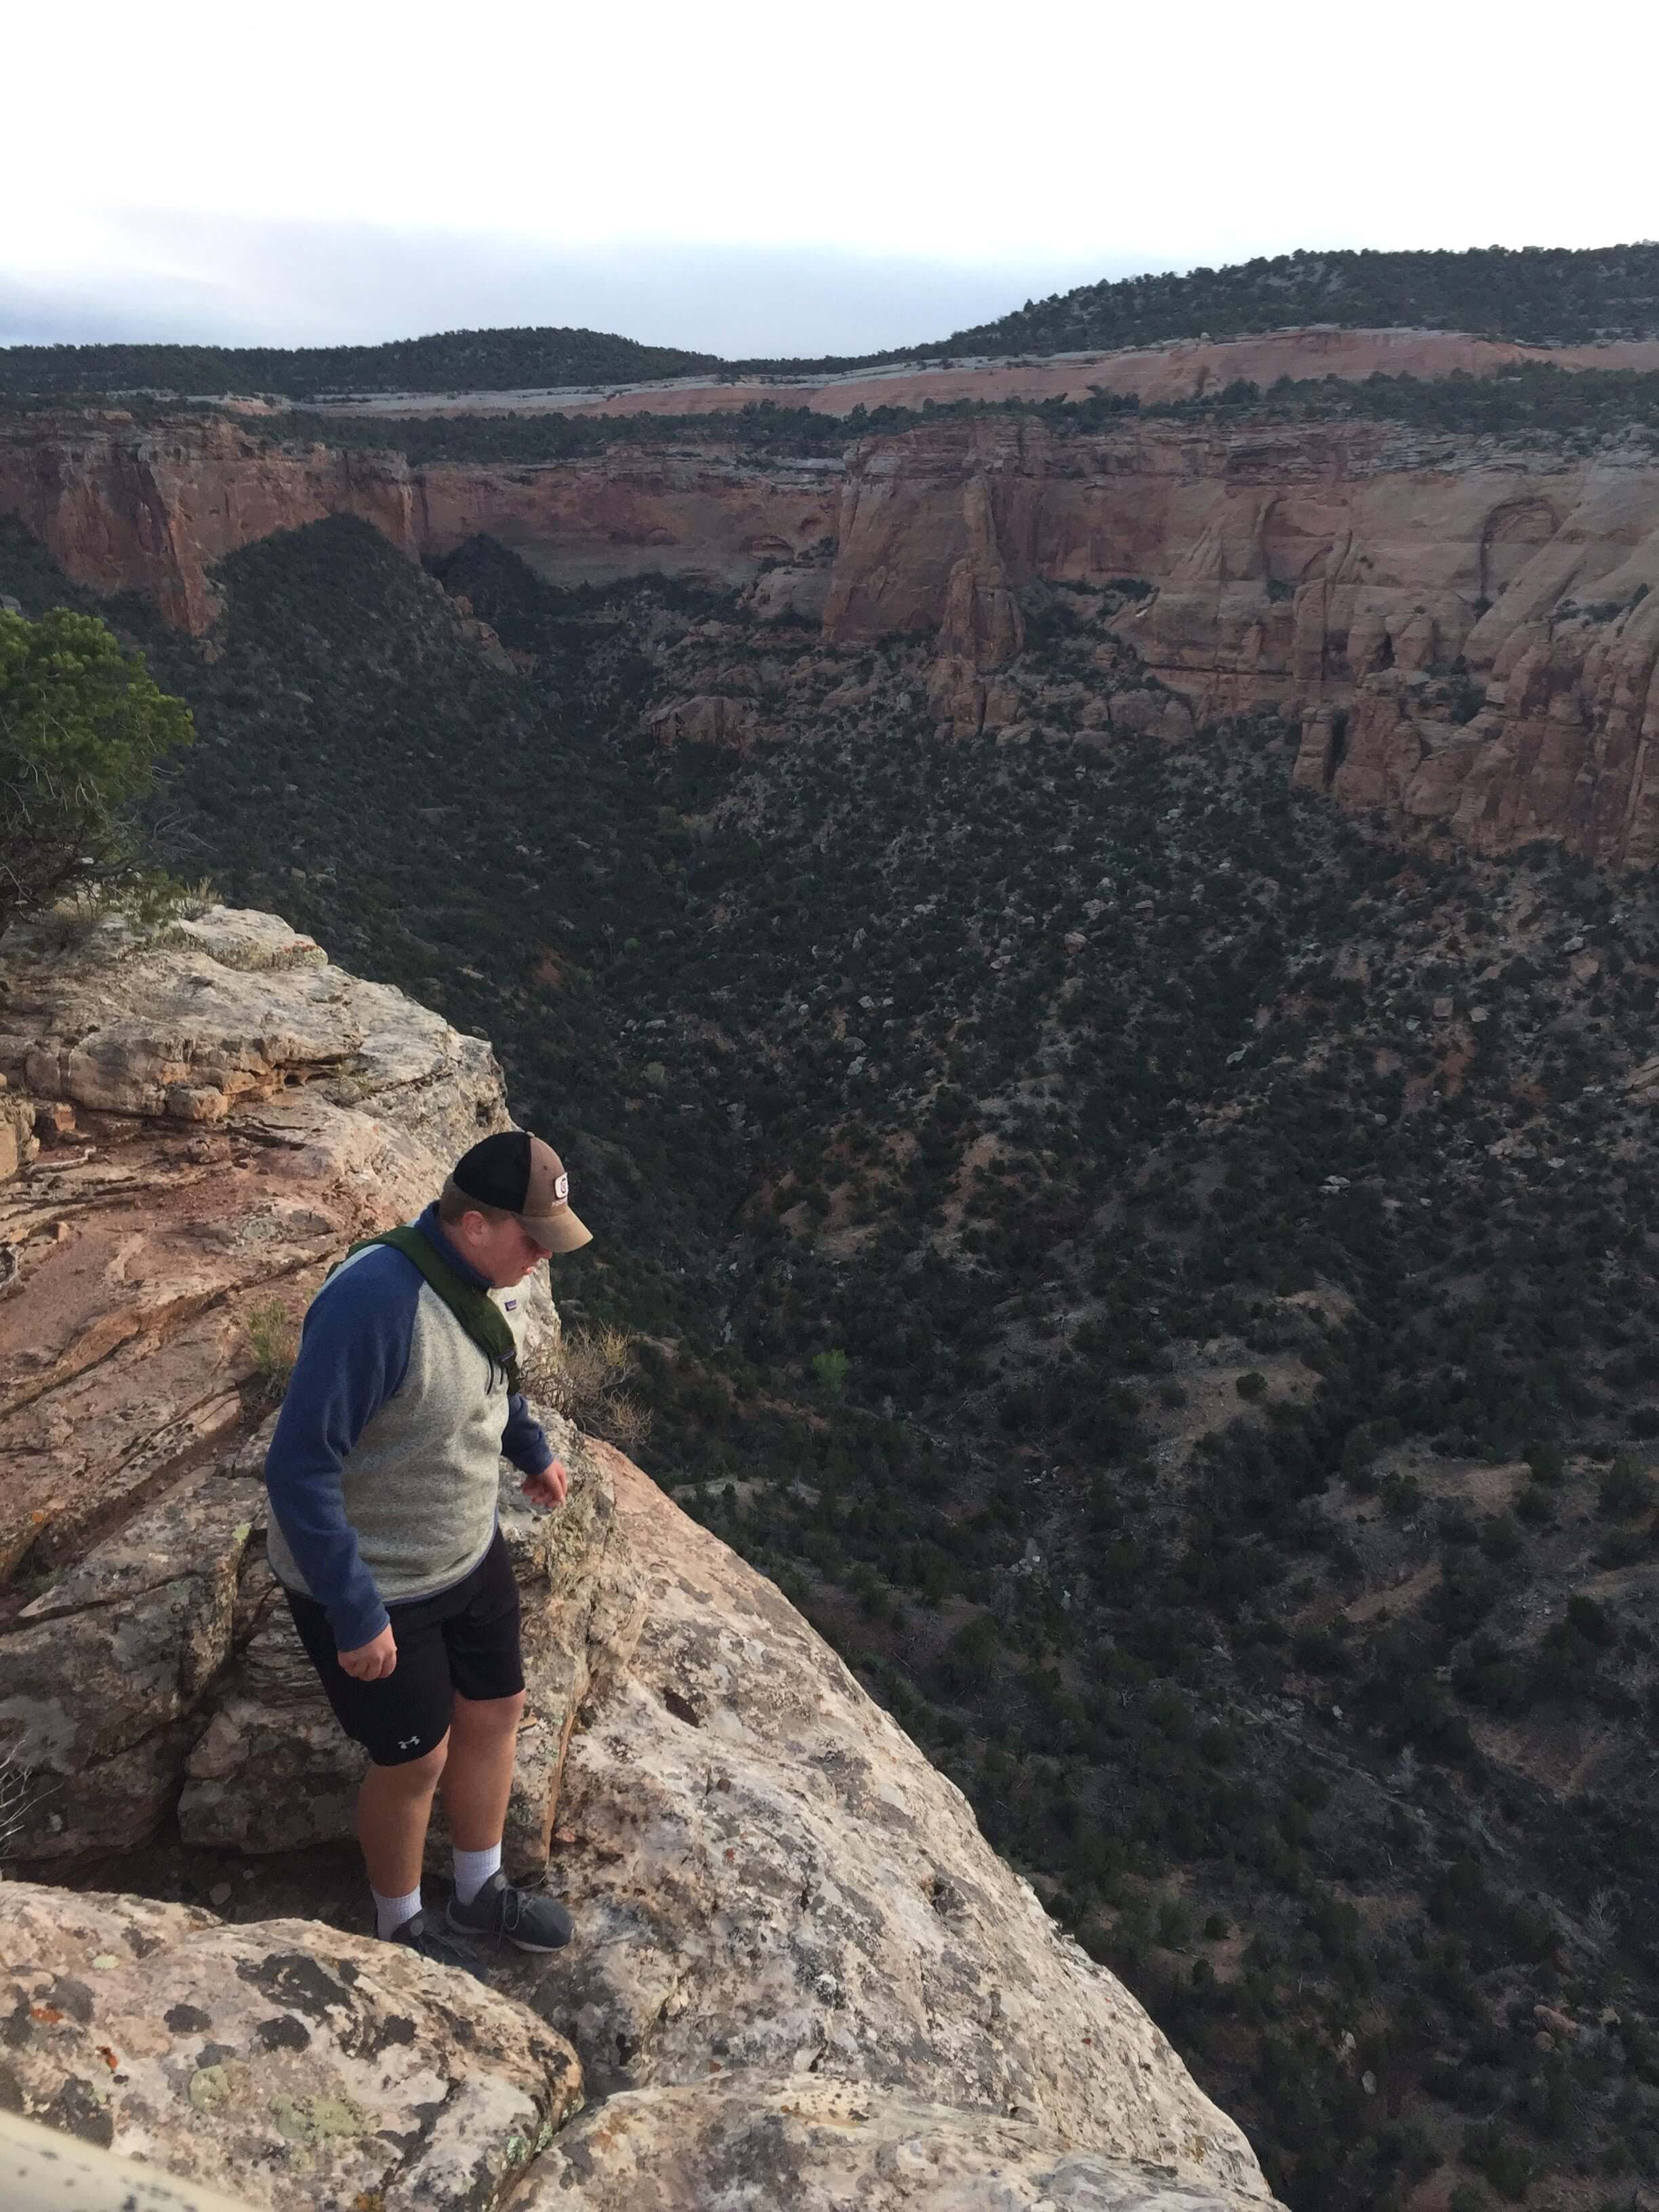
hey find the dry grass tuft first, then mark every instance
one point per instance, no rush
(584, 1377)
(15, 1796)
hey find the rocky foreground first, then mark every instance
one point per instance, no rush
(800, 1974)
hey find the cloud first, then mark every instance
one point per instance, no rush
(145, 274)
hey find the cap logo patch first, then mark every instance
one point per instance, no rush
(562, 1187)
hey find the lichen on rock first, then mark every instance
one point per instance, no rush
(280, 2061)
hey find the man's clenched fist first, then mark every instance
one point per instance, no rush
(369, 1661)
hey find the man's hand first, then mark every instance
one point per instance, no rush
(370, 1663)
(548, 1487)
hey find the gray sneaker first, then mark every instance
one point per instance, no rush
(428, 1939)
(504, 1914)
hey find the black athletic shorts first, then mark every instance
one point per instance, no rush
(464, 1639)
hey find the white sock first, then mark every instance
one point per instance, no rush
(391, 1912)
(473, 1870)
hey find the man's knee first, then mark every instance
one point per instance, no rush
(488, 1716)
(416, 1777)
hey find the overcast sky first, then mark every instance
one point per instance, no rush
(748, 177)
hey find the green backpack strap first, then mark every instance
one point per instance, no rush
(479, 1315)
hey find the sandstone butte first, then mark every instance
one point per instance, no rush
(802, 1976)
(1464, 629)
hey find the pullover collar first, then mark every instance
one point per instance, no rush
(433, 1230)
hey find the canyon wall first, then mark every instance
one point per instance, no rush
(1467, 631)
(708, 515)
(1468, 634)
(119, 506)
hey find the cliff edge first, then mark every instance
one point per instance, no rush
(800, 1974)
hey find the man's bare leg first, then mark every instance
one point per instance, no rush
(478, 1778)
(394, 1806)
(486, 1905)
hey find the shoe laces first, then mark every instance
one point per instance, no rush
(510, 1914)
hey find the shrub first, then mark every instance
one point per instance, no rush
(273, 1341)
(829, 1371)
(1510, 2167)
(1626, 1489)
(584, 1377)
(1401, 1495)
(1591, 1621)
(1174, 1925)
(81, 727)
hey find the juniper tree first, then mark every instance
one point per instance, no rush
(82, 725)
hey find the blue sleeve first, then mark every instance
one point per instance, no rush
(353, 1354)
(524, 1440)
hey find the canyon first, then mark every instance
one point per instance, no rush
(1464, 629)
(808, 1966)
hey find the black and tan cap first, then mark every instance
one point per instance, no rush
(520, 1175)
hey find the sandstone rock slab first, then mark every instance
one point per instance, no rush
(98, 1672)
(226, 1113)
(279, 2061)
(822, 2146)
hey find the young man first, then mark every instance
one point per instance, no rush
(383, 1474)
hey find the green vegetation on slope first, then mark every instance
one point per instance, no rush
(83, 727)
(481, 361)
(1533, 401)
(1540, 295)
(1199, 1375)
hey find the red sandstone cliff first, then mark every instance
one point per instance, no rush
(151, 510)
(1370, 580)
(623, 513)
(1468, 634)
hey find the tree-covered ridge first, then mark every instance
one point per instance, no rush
(1537, 295)
(1532, 400)
(481, 361)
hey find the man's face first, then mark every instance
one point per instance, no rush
(502, 1251)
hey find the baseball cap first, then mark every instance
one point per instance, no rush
(524, 1177)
